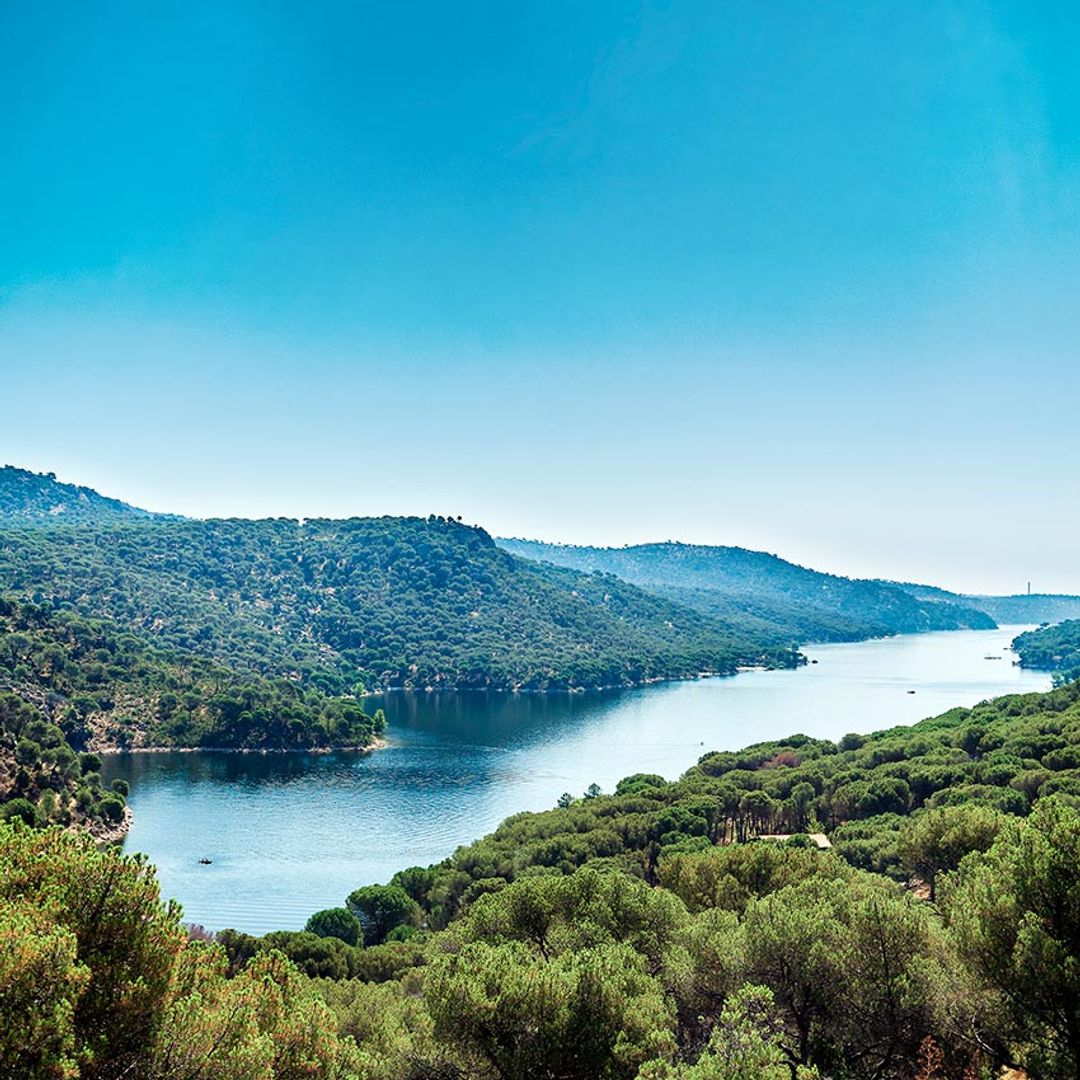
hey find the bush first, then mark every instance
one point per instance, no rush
(19, 809)
(337, 923)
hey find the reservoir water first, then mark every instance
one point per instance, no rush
(288, 834)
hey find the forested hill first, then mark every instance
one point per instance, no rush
(108, 688)
(1052, 648)
(776, 596)
(29, 498)
(1019, 609)
(367, 602)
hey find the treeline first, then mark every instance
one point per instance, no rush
(1051, 648)
(336, 605)
(109, 688)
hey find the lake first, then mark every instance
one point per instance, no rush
(289, 834)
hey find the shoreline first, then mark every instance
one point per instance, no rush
(641, 684)
(111, 834)
(115, 751)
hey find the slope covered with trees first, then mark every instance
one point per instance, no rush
(644, 935)
(1051, 648)
(109, 689)
(368, 602)
(44, 781)
(787, 601)
(29, 498)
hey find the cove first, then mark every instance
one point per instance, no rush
(288, 834)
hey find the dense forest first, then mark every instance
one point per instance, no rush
(336, 608)
(775, 596)
(113, 689)
(372, 602)
(1051, 648)
(654, 933)
(44, 781)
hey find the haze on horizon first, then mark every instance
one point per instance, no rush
(797, 279)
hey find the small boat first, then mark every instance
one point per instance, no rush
(991, 657)
(911, 691)
(204, 861)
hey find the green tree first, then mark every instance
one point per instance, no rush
(849, 964)
(20, 809)
(744, 1045)
(335, 923)
(380, 908)
(936, 840)
(1014, 916)
(41, 982)
(558, 914)
(584, 1015)
(99, 981)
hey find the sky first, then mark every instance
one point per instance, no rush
(799, 277)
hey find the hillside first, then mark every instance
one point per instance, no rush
(1051, 648)
(45, 781)
(376, 602)
(1023, 608)
(108, 688)
(779, 598)
(29, 498)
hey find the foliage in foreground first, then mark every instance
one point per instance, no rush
(627, 937)
(98, 980)
(837, 972)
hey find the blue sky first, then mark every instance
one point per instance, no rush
(800, 277)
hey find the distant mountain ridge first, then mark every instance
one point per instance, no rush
(342, 605)
(780, 597)
(29, 498)
(1017, 609)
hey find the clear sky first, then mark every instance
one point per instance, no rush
(800, 277)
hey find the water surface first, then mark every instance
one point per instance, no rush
(291, 833)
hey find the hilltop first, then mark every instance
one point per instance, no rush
(29, 498)
(341, 607)
(778, 597)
